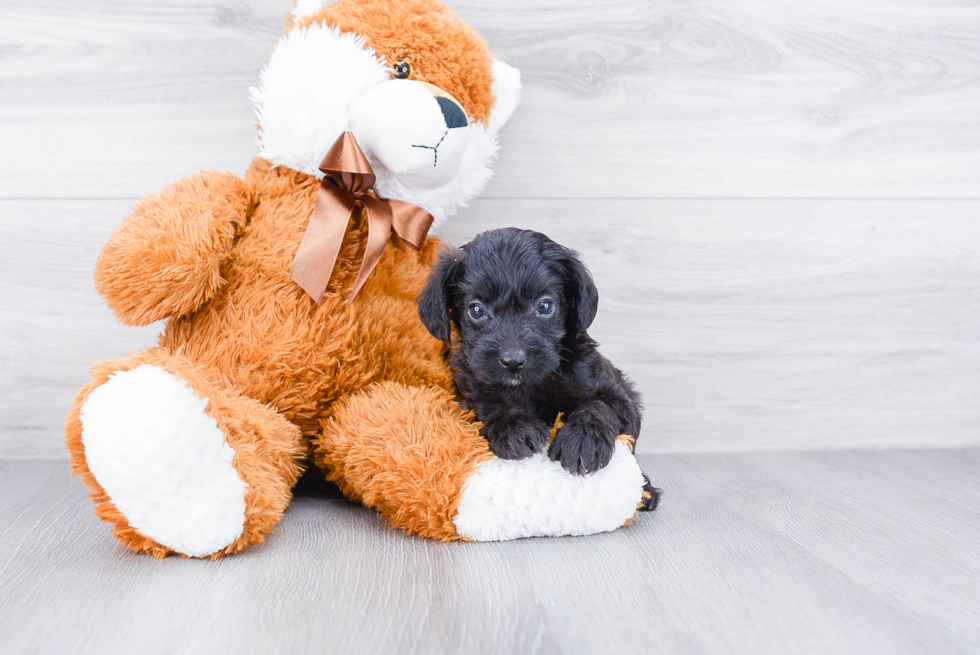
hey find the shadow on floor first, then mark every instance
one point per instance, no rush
(314, 485)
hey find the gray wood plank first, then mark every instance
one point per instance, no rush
(636, 99)
(749, 553)
(54, 325)
(833, 506)
(748, 324)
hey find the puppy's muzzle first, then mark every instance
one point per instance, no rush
(413, 129)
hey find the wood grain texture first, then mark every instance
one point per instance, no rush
(53, 324)
(750, 324)
(760, 553)
(629, 99)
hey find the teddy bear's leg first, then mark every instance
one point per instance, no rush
(177, 461)
(416, 457)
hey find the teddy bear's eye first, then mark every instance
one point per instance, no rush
(402, 70)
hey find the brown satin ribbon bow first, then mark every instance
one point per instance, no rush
(346, 186)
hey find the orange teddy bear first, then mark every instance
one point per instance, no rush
(292, 331)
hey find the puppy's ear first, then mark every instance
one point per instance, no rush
(436, 300)
(581, 294)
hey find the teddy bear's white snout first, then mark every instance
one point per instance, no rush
(413, 130)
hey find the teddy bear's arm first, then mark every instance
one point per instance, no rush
(165, 259)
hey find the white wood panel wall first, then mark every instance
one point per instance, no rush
(780, 201)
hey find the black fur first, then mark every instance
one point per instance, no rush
(519, 367)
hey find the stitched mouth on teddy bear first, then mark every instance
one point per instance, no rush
(434, 149)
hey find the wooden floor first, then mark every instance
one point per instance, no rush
(835, 552)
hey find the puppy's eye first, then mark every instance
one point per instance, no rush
(545, 307)
(477, 311)
(402, 70)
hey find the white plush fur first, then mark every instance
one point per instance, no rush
(304, 100)
(306, 8)
(535, 497)
(163, 461)
(506, 92)
(442, 202)
(305, 93)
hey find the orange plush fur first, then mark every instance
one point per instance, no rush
(442, 49)
(363, 385)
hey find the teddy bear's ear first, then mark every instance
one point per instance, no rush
(506, 91)
(306, 8)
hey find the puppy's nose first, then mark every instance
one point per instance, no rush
(452, 113)
(512, 359)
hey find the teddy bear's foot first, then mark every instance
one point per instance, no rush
(536, 497)
(415, 456)
(178, 464)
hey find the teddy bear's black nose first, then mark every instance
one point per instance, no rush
(451, 112)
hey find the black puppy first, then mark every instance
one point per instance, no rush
(520, 304)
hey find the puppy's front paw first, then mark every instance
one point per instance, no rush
(583, 445)
(516, 438)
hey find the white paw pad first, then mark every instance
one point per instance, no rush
(163, 461)
(536, 497)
